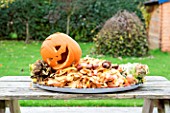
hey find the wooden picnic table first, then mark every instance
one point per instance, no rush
(155, 92)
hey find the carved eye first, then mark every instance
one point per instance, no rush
(57, 48)
(60, 51)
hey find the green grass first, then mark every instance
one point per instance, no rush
(15, 57)
(108, 103)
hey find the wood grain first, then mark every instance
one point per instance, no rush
(148, 106)
(13, 88)
(167, 106)
(15, 79)
(14, 106)
(18, 87)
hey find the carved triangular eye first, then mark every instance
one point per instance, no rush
(63, 56)
(57, 48)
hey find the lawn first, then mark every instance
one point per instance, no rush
(15, 57)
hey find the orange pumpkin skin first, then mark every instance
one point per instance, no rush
(60, 50)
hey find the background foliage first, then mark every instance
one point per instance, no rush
(17, 14)
(82, 19)
(122, 35)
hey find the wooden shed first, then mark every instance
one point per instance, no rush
(159, 24)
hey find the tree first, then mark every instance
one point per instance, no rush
(23, 15)
(67, 7)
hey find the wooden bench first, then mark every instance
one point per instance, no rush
(155, 92)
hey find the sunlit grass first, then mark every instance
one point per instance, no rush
(15, 58)
(108, 103)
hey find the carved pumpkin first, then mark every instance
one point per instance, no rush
(60, 51)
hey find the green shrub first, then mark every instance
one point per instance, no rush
(122, 35)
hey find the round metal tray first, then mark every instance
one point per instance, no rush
(88, 90)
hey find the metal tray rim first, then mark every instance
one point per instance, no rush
(88, 90)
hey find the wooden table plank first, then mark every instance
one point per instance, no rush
(148, 84)
(155, 78)
(14, 88)
(15, 79)
(15, 84)
(19, 88)
(28, 93)
(156, 82)
(164, 84)
(27, 78)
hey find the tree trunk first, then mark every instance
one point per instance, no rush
(27, 33)
(68, 24)
(68, 19)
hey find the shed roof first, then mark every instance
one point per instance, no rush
(162, 1)
(151, 2)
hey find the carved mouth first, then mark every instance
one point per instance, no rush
(63, 56)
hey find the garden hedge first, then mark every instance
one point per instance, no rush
(82, 19)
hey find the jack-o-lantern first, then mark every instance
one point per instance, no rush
(60, 51)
